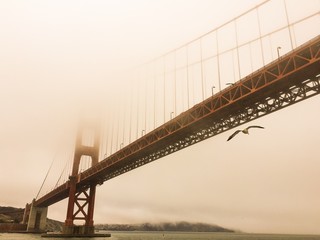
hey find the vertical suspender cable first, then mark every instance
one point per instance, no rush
(145, 99)
(45, 178)
(164, 89)
(237, 43)
(201, 63)
(175, 83)
(192, 84)
(124, 122)
(288, 23)
(69, 165)
(218, 60)
(233, 66)
(101, 143)
(260, 37)
(188, 76)
(250, 57)
(131, 106)
(111, 138)
(62, 173)
(294, 36)
(205, 79)
(270, 42)
(138, 90)
(80, 166)
(154, 95)
(107, 128)
(117, 129)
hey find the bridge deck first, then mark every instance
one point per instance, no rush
(285, 81)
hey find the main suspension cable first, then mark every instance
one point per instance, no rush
(54, 158)
(62, 173)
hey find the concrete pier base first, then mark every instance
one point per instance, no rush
(78, 230)
(37, 219)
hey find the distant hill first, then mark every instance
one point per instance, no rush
(15, 215)
(177, 227)
(11, 214)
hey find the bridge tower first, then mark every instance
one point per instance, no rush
(81, 198)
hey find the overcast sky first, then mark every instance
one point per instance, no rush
(58, 55)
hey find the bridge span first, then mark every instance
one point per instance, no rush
(285, 81)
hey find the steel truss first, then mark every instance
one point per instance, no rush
(306, 89)
(82, 201)
(288, 80)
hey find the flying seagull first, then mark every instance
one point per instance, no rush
(245, 131)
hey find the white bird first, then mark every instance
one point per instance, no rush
(245, 131)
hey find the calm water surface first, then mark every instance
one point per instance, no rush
(170, 236)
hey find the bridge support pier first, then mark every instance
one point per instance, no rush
(35, 217)
(26, 213)
(81, 198)
(84, 200)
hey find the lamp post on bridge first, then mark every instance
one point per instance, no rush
(212, 90)
(278, 51)
(171, 115)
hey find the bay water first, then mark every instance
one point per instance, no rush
(170, 236)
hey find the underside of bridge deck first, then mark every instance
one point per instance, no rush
(288, 80)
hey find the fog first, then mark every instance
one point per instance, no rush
(60, 59)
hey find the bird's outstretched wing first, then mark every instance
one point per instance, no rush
(233, 134)
(254, 127)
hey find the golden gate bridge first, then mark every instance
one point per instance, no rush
(240, 71)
